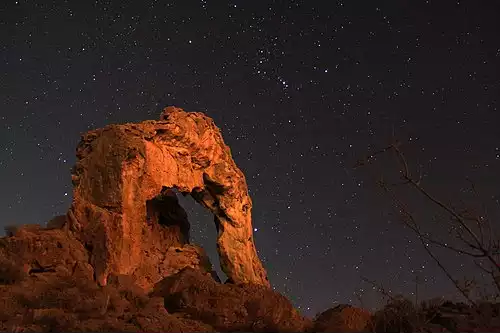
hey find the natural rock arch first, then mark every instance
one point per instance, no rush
(121, 167)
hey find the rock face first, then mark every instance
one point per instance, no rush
(30, 250)
(123, 205)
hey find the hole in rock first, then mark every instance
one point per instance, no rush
(173, 209)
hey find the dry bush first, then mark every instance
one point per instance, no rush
(398, 315)
(468, 229)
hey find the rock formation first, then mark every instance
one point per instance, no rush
(127, 229)
(47, 285)
(121, 180)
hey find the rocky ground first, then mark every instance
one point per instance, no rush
(48, 285)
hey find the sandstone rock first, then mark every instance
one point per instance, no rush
(72, 304)
(155, 318)
(343, 318)
(229, 307)
(120, 168)
(35, 251)
(174, 259)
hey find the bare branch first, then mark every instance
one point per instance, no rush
(400, 205)
(471, 229)
(379, 288)
(477, 243)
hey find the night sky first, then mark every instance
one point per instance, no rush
(300, 90)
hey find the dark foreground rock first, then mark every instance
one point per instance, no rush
(47, 285)
(229, 307)
(343, 318)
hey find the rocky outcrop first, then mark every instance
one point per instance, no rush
(117, 213)
(229, 307)
(46, 285)
(343, 318)
(30, 250)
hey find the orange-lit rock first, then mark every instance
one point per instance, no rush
(121, 168)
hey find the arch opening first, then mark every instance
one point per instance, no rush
(165, 210)
(183, 215)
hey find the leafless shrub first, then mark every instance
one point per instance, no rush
(470, 232)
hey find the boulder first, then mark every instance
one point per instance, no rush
(229, 307)
(119, 174)
(343, 318)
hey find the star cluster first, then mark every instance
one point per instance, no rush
(300, 90)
